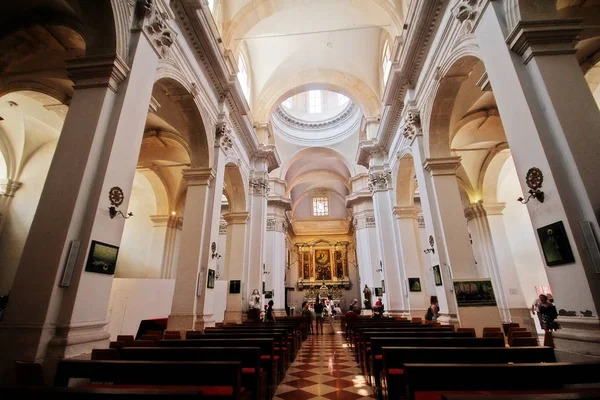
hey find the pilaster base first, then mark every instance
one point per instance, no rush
(578, 340)
(204, 321)
(524, 318)
(181, 323)
(76, 340)
(449, 319)
(233, 317)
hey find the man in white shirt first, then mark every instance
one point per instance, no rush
(330, 313)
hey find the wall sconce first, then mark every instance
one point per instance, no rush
(213, 247)
(431, 243)
(115, 195)
(380, 269)
(534, 180)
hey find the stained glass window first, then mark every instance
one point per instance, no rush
(320, 206)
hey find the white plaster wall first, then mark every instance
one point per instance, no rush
(134, 260)
(133, 300)
(20, 213)
(521, 236)
(220, 299)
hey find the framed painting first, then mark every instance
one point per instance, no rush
(437, 275)
(210, 282)
(414, 284)
(378, 292)
(555, 244)
(235, 287)
(474, 293)
(102, 258)
(269, 294)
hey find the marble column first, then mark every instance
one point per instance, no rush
(436, 254)
(393, 269)
(408, 241)
(485, 254)
(235, 262)
(259, 190)
(8, 188)
(549, 124)
(187, 279)
(99, 146)
(368, 253)
(517, 304)
(275, 254)
(164, 243)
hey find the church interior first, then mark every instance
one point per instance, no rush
(195, 176)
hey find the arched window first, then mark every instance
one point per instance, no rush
(211, 5)
(386, 61)
(320, 206)
(314, 101)
(243, 76)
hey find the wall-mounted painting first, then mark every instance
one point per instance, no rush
(269, 294)
(555, 244)
(235, 286)
(210, 282)
(414, 284)
(437, 275)
(378, 292)
(474, 293)
(102, 258)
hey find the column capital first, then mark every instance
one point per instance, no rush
(410, 212)
(494, 208)
(380, 180)
(542, 38)
(475, 210)
(234, 218)
(168, 220)
(97, 71)
(198, 176)
(8, 187)
(442, 166)
(259, 185)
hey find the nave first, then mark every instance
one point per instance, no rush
(324, 369)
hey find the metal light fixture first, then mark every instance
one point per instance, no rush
(213, 247)
(431, 243)
(380, 269)
(534, 180)
(116, 196)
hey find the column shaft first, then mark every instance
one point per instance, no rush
(235, 262)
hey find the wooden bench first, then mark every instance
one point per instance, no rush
(269, 360)
(394, 358)
(431, 381)
(218, 380)
(252, 379)
(62, 393)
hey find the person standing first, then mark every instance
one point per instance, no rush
(548, 314)
(330, 313)
(319, 306)
(270, 317)
(433, 310)
(307, 314)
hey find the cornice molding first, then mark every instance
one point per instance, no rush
(198, 176)
(97, 71)
(280, 201)
(267, 153)
(236, 218)
(442, 166)
(410, 212)
(358, 198)
(541, 38)
(329, 123)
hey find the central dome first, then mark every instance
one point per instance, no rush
(315, 105)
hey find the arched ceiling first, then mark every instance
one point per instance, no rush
(282, 39)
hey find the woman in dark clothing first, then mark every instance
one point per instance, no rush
(270, 317)
(548, 314)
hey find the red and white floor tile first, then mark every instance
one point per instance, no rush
(324, 369)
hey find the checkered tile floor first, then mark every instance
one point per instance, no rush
(324, 369)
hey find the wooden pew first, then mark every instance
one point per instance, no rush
(279, 336)
(218, 380)
(372, 356)
(75, 393)
(252, 379)
(449, 378)
(269, 360)
(394, 358)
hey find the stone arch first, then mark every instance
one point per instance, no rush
(318, 78)
(310, 192)
(186, 118)
(313, 174)
(255, 11)
(491, 171)
(316, 151)
(235, 188)
(160, 191)
(436, 121)
(405, 182)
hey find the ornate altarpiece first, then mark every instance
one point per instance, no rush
(323, 268)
